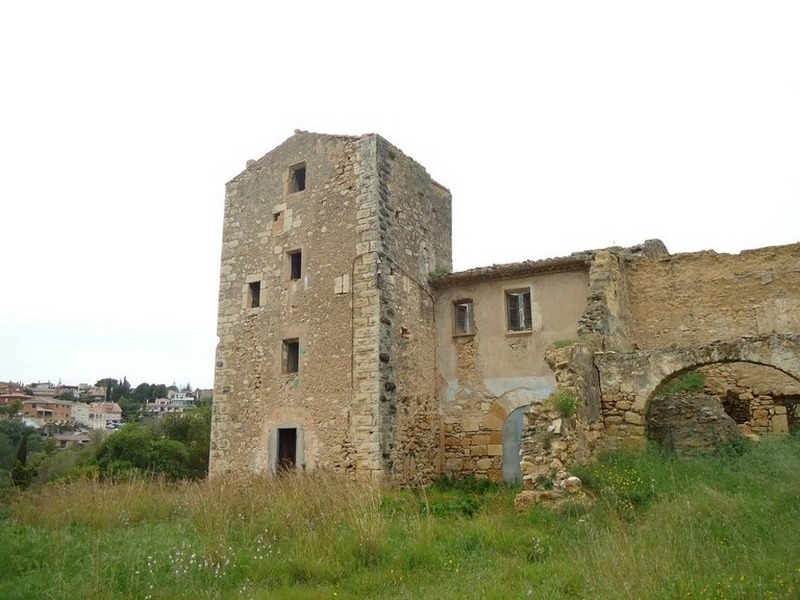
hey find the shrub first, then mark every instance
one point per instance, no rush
(688, 383)
(563, 343)
(565, 402)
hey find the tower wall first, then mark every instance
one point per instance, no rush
(264, 221)
(415, 228)
(369, 224)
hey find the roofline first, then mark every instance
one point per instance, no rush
(564, 264)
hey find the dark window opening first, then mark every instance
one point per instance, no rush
(277, 222)
(518, 309)
(291, 356)
(287, 449)
(295, 264)
(297, 178)
(463, 318)
(255, 294)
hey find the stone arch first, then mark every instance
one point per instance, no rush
(504, 423)
(779, 352)
(629, 381)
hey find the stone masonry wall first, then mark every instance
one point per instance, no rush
(756, 396)
(264, 221)
(414, 223)
(607, 319)
(370, 224)
(697, 298)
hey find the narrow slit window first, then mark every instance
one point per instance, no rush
(463, 319)
(277, 222)
(518, 310)
(291, 356)
(297, 178)
(295, 265)
(255, 294)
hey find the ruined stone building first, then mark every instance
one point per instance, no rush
(347, 344)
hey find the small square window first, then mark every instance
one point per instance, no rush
(291, 356)
(463, 320)
(297, 178)
(518, 310)
(295, 265)
(255, 294)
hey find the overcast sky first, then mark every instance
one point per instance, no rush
(558, 127)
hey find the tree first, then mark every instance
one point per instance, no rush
(193, 430)
(11, 408)
(131, 409)
(142, 393)
(22, 474)
(11, 433)
(123, 389)
(135, 449)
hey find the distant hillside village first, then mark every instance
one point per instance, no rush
(70, 412)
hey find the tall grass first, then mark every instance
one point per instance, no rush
(718, 527)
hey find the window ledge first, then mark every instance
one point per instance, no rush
(523, 332)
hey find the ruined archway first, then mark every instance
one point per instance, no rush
(683, 417)
(629, 381)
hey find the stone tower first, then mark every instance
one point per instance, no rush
(326, 355)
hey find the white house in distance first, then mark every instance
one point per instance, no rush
(97, 415)
(175, 402)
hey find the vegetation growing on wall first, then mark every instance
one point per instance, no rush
(564, 401)
(691, 382)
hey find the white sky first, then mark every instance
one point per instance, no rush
(558, 127)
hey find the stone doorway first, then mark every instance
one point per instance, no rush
(287, 449)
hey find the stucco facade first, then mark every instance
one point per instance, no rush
(346, 343)
(490, 374)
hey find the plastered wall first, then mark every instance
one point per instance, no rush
(486, 376)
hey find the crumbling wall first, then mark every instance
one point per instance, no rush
(698, 298)
(690, 424)
(760, 399)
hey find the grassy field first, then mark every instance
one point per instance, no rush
(722, 527)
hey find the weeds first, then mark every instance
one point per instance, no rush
(565, 402)
(690, 382)
(714, 527)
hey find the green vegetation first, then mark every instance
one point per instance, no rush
(564, 401)
(718, 527)
(439, 271)
(688, 383)
(564, 343)
(175, 447)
